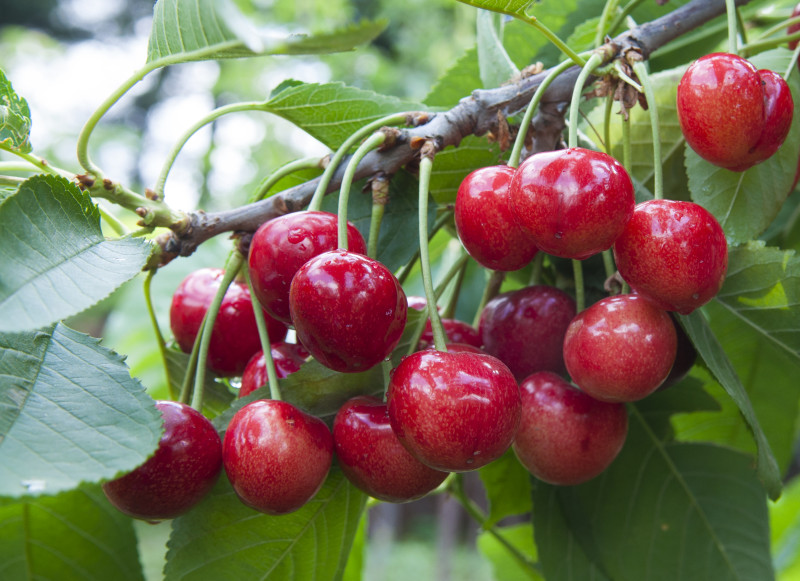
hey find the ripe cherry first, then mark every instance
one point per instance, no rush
(182, 471)
(288, 357)
(621, 348)
(454, 411)
(235, 334)
(674, 253)
(572, 202)
(525, 329)
(567, 437)
(276, 456)
(455, 331)
(284, 244)
(349, 310)
(731, 114)
(485, 223)
(372, 457)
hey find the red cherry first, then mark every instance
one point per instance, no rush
(485, 223)
(620, 349)
(284, 244)
(573, 202)
(288, 357)
(276, 456)
(182, 471)
(454, 411)
(731, 114)
(372, 457)
(349, 310)
(235, 334)
(455, 331)
(525, 329)
(674, 253)
(566, 437)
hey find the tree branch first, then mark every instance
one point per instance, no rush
(473, 115)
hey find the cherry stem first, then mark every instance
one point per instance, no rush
(627, 152)
(792, 63)
(777, 28)
(608, 263)
(263, 336)
(232, 268)
(406, 270)
(457, 272)
(536, 269)
(768, 43)
(372, 142)
(191, 366)
(607, 124)
(608, 9)
(380, 197)
(269, 182)
(456, 489)
(162, 344)
(622, 15)
(349, 143)
(110, 219)
(519, 142)
(574, 109)
(490, 291)
(730, 7)
(658, 172)
(580, 295)
(552, 37)
(425, 170)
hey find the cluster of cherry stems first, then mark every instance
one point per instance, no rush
(456, 406)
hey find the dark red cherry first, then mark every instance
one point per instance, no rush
(485, 223)
(455, 331)
(372, 457)
(284, 244)
(572, 202)
(567, 437)
(349, 310)
(235, 334)
(454, 411)
(674, 253)
(276, 456)
(288, 357)
(182, 471)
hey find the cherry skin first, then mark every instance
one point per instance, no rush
(731, 114)
(674, 253)
(276, 456)
(621, 348)
(485, 223)
(525, 329)
(573, 202)
(284, 244)
(567, 437)
(372, 457)
(288, 357)
(182, 471)
(235, 335)
(455, 331)
(454, 411)
(685, 357)
(349, 310)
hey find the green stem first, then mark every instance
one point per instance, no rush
(375, 140)
(269, 182)
(580, 296)
(191, 366)
(792, 63)
(402, 274)
(552, 37)
(456, 488)
(611, 6)
(536, 269)
(162, 345)
(38, 163)
(607, 124)
(622, 75)
(489, 292)
(18, 166)
(608, 263)
(425, 170)
(730, 7)
(622, 15)
(627, 152)
(327, 175)
(376, 217)
(110, 219)
(519, 142)
(202, 122)
(263, 336)
(742, 27)
(768, 43)
(458, 271)
(12, 181)
(658, 178)
(574, 110)
(231, 270)
(783, 24)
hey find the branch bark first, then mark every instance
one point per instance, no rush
(473, 115)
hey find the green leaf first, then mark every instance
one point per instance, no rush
(459, 80)
(746, 203)
(661, 511)
(15, 119)
(194, 30)
(216, 396)
(494, 62)
(709, 348)
(511, 7)
(69, 413)
(508, 488)
(224, 539)
(355, 563)
(784, 517)
(54, 260)
(331, 112)
(504, 564)
(75, 536)
(453, 164)
(582, 38)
